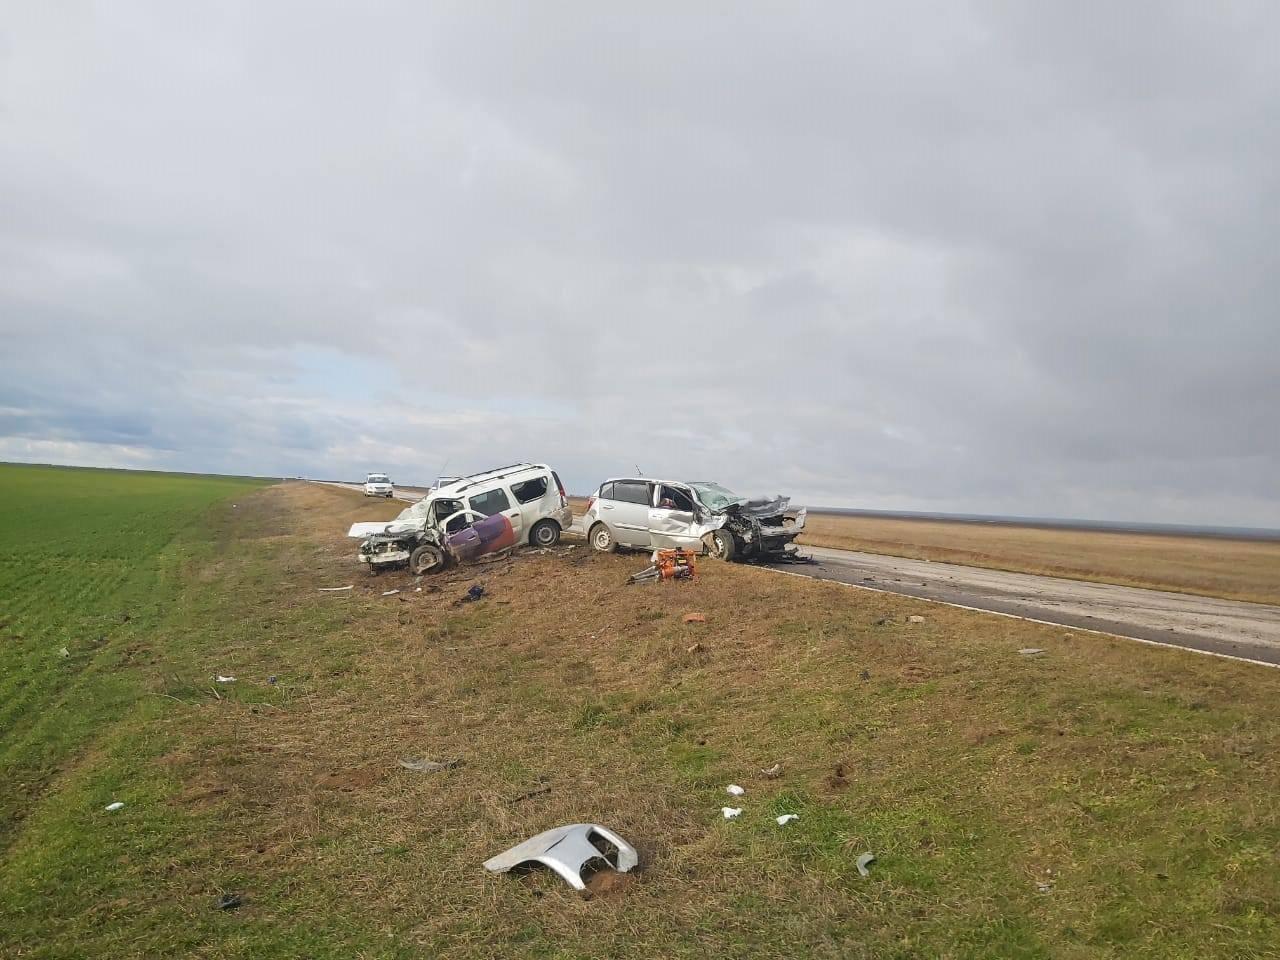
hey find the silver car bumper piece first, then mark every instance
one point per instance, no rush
(566, 850)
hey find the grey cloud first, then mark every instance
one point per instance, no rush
(1012, 258)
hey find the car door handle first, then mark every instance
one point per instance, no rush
(606, 507)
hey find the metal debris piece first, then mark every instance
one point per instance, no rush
(772, 773)
(229, 901)
(863, 862)
(734, 789)
(566, 850)
(787, 818)
(350, 586)
(1031, 651)
(113, 806)
(429, 766)
(731, 812)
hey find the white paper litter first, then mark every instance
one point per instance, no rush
(730, 812)
(114, 806)
(863, 862)
(787, 818)
(336, 589)
(221, 679)
(64, 652)
(389, 593)
(734, 789)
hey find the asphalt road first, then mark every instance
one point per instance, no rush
(1228, 628)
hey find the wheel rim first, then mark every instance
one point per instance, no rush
(603, 539)
(544, 535)
(717, 546)
(427, 562)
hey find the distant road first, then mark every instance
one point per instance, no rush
(1229, 628)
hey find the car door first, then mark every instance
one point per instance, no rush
(628, 512)
(672, 523)
(497, 500)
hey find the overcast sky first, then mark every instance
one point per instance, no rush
(1016, 258)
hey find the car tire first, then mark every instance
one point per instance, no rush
(722, 546)
(601, 539)
(545, 533)
(427, 558)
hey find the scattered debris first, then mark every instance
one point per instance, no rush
(429, 766)
(272, 680)
(229, 901)
(668, 565)
(734, 789)
(64, 652)
(566, 850)
(473, 594)
(696, 648)
(731, 812)
(915, 618)
(221, 679)
(787, 818)
(863, 862)
(772, 773)
(695, 618)
(1045, 886)
(350, 586)
(113, 806)
(389, 593)
(1031, 651)
(865, 675)
(535, 792)
(417, 590)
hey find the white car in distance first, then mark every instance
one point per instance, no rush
(378, 485)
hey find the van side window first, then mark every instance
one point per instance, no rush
(490, 502)
(528, 491)
(631, 491)
(673, 498)
(606, 491)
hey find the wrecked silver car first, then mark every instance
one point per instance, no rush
(645, 514)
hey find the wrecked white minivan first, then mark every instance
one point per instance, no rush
(645, 514)
(468, 518)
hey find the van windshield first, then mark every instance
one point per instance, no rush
(715, 496)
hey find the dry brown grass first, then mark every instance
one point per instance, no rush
(1137, 782)
(1210, 566)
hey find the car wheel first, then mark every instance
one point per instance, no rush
(426, 559)
(602, 539)
(722, 545)
(545, 533)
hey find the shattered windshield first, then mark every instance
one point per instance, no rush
(715, 496)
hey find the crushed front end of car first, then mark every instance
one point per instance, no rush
(764, 528)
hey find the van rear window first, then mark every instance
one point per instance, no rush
(528, 491)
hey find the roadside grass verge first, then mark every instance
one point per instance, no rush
(1102, 799)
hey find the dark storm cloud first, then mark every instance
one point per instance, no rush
(1012, 258)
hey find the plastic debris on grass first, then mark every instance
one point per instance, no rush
(731, 812)
(389, 593)
(865, 861)
(734, 789)
(429, 766)
(110, 807)
(473, 594)
(772, 773)
(350, 586)
(1031, 651)
(568, 849)
(695, 618)
(221, 679)
(229, 901)
(787, 818)
(915, 618)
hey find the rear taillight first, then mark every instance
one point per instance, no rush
(591, 502)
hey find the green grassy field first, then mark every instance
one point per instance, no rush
(89, 560)
(1103, 799)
